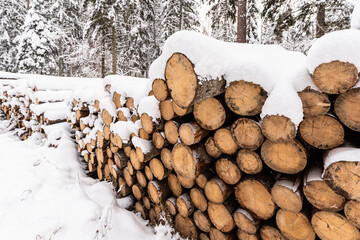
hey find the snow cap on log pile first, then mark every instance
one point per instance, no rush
(150, 105)
(125, 129)
(346, 154)
(133, 87)
(280, 72)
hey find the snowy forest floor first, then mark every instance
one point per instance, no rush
(45, 194)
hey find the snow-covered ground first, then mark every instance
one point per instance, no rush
(45, 194)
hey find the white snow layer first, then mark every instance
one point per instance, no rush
(341, 45)
(355, 18)
(280, 72)
(313, 175)
(133, 87)
(150, 105)
(346, 154)
(46, 195)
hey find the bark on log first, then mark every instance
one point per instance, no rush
(247, 133)
(245, 98)
(225, 142)
(314, 103)
(284, 157)
(294, 226)
(347, 108)
(335, 77)
(209, 114)
(330, 225)
(183, 84)
(249, 161)
(278, 128)
(228, 171)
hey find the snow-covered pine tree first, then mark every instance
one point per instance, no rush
(12, 14)
(37, 50)
(253, 21)
(178, 15)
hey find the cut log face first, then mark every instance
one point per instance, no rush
(166, 110)
(116, 100)
(158, 169)
(278, 128)
(129, 179)
(186, 182)
(294, 226)
(202, 221)
(335, 77)
(185, 227)
(158, 191)
(217, 191)
(225, 142)
(314, 103)
(347, 108)
(198, 198)
(245, 98)
(323, 132)
(181, 111)
(253, 196)
(245, 221)
(107, 118)
(204, 236)
(247, 134)
(343, 178)
(138, 191)
(284, 196)
(184, 205)
(140, 177)
(160, 89)
(189, 162)
(330, 225)
(170, 205)
(216, 234)
(221, 217)
(149, 175)
(270, 233)
(147, 123)
(159, 140)
(174, 185)
(352, 212)
(166, 158)
(203, 178)
(321, 196)
(209, 114)
(284, 157)
(181, 80)
(227, 171)
(171, 129)
(191, 133)
(211, 148)
(249, 161)
(242, 235)
(139, 208)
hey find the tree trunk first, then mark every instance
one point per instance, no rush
(113, 49)
(320, 18)
(241, 22)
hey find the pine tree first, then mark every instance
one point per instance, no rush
(37, 50)
(11, 19)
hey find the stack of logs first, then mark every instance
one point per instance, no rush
(214, 170)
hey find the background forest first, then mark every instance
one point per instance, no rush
(94, 38)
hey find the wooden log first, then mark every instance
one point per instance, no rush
(255, 197)
(160, 89)
(249, 162)
(141, 179)
(170, 205)
(152, 217)
(174, 185)
(284, 157)
(171, 129)
(202, 221)
(121, 115)
(343, 178)
(158, 169)
(144, 135)
(150, 153)
(225, 142)
(115, 171)
(314, 103)
(148, 173)
(272, 123)
(158, 191)
(294, 225)
(335, 77)
(221, 216)
(204, 236)
(129, 103)
(138, 191)
(159, 140)
(347, 108)
(179, 111)
(101, 155)
(186, 227)
(216, 191)
(124, 189)
(191, 133)
(166, 158)
(216, 234)
(193, 157)
(198, 198)
(186, 182)
(211, 148)
(130, 168)
(147, 202)
(184, 205)
(271, 233)
(287, 195)
(247, 133)
(106, 132)
(244, 221)
(183, 84)
(149, 125)
(209, 114)
(227, 171)
(330, 225)
(245, 98)
(352, 212)
(120, 159)
(319, 194)
(166, 110)
(242, 235)
(137, 165)
(139, 208)
(117, 100)
(129, 179)
(322, 132)
(106, 116)
(204, 177)
(127, 150)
